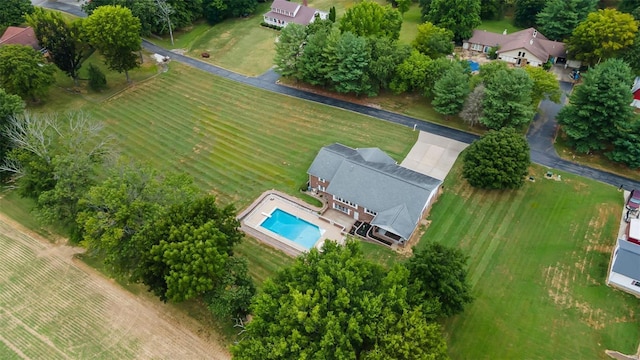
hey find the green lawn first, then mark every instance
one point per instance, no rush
(538, 263)
(237, 141)
(411, 20)
(498, 26)
(241, 45)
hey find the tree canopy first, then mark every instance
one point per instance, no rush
(545, 84)
(120, 206)
(10, 106)
(25, 72)
(458, 16)
(450, 91)
(335, 304)
(603, 35)
(119, 44)
(507, 99)
(440, 272)
(433, 41)
(13, 12)
(599, 107)
(187, 248)
(498, 160)
(369, 19)
(65, 42)
(526, 12)
(559, 18)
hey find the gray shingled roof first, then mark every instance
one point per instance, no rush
(627, 261)
(397, 194)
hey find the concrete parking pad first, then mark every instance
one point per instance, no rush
(433, 155)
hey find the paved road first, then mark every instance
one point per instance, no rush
(540, 135)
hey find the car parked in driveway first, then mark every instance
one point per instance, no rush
(633, 203)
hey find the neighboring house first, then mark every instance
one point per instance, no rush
(525, 47)
(20, 36)
(624, 273)
(635, 90)
(284, 12)
(370, 186)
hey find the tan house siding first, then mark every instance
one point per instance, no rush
(513, 55)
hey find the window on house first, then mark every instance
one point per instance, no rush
(341, 208)
(370, 212)
(322, 188)
(322, 180)
(523, 54)
(636, 283)
(336, 198)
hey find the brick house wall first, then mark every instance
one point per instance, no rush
(320, 186)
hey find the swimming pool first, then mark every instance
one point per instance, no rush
(292, 228)
(474, 65)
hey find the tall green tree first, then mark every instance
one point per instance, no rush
(386, 56)
(507, 100)
(411, 74)
(314, 64)
(603, 35)
(545, 85)
(458, 16)
(13, 12)
(631, 55)
(64, 41)
(599, 107)
(10, 106)
(119, 207)
(433, 41)
(118, 46)
(559, 18)
(440, 272)
(526, 11)
(499, 160)
(370, 19)
(450, 91)
(25, 72)
(233, 295)
(289, 50)
(187, 247)
(626, 148)
(628, 6)
(492, 9)
(352, 57)
(334, 304)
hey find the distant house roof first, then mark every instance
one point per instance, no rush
(302, 14)
(636, 93)
(529, 39)
(20, 36)
(370, 178)
(627, 261)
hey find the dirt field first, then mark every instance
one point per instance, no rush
(55, 307)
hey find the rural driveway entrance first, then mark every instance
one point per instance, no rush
(433, 155)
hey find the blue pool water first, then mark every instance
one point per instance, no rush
(474, 65)
(297, 230)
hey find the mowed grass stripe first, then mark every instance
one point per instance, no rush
(537, 269)
(235, 137)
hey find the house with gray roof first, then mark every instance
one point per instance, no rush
(525, 47)
(368, 185)
(624, 272)
(285, 12)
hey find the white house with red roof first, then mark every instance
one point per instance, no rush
(20, 36)
(525, 47)
(284, 12)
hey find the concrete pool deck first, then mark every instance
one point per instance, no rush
(251, 218)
